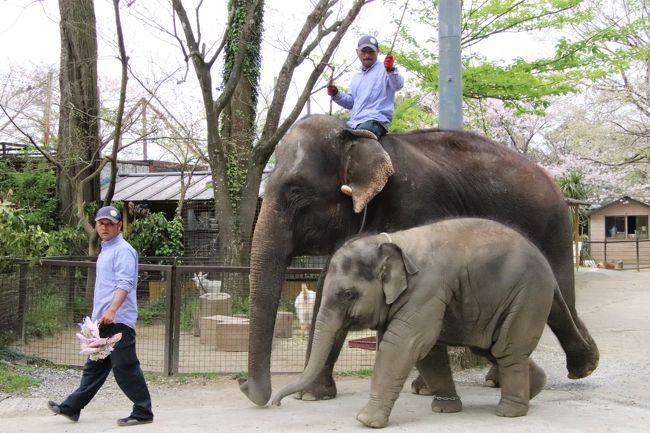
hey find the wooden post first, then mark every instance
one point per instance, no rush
(576, 234)
(125, 219)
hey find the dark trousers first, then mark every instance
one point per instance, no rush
(374, 127)
(126, 369)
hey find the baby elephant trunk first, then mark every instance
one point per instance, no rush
(324, 336)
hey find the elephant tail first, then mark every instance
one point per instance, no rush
(582, 354)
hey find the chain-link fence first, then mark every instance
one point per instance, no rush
(192, 317)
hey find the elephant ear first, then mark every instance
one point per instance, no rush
(394, 270)
(366, 166)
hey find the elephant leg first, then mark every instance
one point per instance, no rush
(492, 376)
(419, 386)
(515, 387)
(537, 378)
(581, 351)
(392, 366)
(435, 372)
(324, 387)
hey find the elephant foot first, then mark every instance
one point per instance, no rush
(581, 367)
(371, 416)
(419, 387)
(492, 377)
(511, 408)
(320, 389)
(258, 391)
(581, 362)
(442, 404)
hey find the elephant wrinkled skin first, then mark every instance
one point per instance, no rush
(463, 281)
(436, 174)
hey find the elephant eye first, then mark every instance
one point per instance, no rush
(348, 295)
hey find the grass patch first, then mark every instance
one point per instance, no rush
(363, 373)
(189, 310)
(13, 381)
(181, 379)
(14, 372)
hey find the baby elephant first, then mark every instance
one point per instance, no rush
(466, 282)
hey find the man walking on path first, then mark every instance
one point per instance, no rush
(115, 309)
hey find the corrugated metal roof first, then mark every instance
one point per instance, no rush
(164, 186)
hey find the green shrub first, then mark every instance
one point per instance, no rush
(149, 313)
(17, 238)
(155, 236)
(68, 241)
(240, 305)
(33, 185)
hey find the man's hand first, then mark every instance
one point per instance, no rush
(389, 63)
(332, 89)
(107, 318)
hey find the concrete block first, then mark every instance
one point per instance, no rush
(283, 324)
(226, 333)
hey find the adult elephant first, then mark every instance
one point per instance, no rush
(408, 180)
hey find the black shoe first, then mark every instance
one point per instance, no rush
(54, 407)
(129, 420)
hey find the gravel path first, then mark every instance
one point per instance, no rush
(615, 398)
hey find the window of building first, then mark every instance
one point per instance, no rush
(637, 226)
(626, 227)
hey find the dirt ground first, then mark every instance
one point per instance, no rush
(615, 398)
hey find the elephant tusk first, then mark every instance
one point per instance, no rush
(345, 189)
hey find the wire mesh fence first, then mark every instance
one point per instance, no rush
(192, 317)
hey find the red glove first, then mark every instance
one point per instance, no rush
(389, 63)
(332, 90)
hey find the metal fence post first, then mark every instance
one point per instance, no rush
(69, 299)
(22, 300)
(172, 322)
(638, 257)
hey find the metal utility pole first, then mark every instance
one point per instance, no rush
(47, 112)
(450, 83)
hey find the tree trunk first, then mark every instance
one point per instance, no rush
(238, 122)
(78, 142)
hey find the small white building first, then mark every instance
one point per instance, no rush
(619, 231)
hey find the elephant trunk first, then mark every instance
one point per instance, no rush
(270, 253)
(327, 327)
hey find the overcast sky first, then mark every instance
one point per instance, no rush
(29, 30)
(30, 33)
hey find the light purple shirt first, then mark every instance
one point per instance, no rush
(117, 268)
(372, 95)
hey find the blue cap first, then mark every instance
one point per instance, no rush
(108, 213)
(368, 41)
